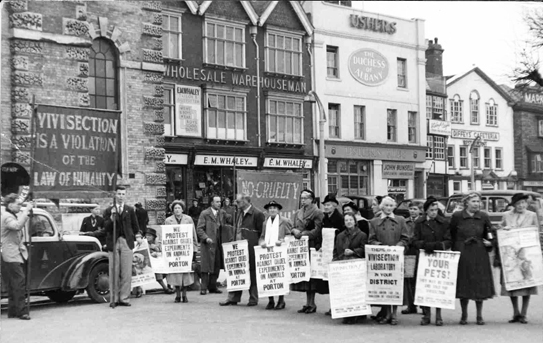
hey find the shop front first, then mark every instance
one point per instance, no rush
(303, 166)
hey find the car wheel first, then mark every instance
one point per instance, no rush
(98, 287)
(60, 296)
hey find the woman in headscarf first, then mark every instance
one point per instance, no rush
(519, 217)
(274, 230)
(181, 280)
(308, 222)
(470, 232)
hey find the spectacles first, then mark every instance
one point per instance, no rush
(304, 198)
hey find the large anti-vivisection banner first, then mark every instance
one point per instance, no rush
(347, 282)
(385, 274)
(298, 258)
(272, 271)
(236, 265)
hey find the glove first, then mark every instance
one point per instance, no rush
(428, 248)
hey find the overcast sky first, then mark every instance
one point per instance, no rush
(486, 34)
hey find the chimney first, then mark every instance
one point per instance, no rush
(434, 58)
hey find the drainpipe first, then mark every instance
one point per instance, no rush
(253, 31)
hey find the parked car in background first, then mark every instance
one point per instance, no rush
(362, 201)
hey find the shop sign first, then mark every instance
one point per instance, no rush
(470, 134)
(294, 163)
(411, 154)
(469, 142)
(368, 67)
(175, 159)
(372, 24)
(439, 127)
(188, 111)
(215, 160)
(533, 183)
(398, 170)
(533, 98)
(397, 189)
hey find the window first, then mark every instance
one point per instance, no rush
(41, 227)
(332, 184)
(498, 158)
(169, 109)
(348, 177)
(429, 104)
(536, 163)
(439, 147)
(429, 147)
(456, 187)
(334, 114)
(360, 122)
(285, 121)
(342, 3)
(224, 44)
(463, 157)
(457, 109)
(332, 61)
(491, 113)
(226, 116)
(391, 125)
(474, 107)
(402, 73)
(435, 107)
(450, 156)
(476, 158)
(488, 158)
(171, 36)
(102, 82)
(284, 54)
(412, 127)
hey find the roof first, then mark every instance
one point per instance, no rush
(485, 77)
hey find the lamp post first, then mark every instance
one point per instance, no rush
(474, 145)
(313, 97)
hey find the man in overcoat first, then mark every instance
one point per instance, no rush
(93, 223)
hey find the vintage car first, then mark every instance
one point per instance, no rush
(63, 265)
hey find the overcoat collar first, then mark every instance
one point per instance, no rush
(465, 215)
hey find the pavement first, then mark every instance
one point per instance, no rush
(156, 318)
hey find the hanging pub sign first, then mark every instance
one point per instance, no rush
(188, 111)
(368, 67)
(75, 151)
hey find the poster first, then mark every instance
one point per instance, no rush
(298, 258)
(522, 262)
(272, 272)
(318, 270)
(157, 261)
(327, 249)
(177, 248)
(410, 262)
(142, 272)
(385, 274)
(436, 279)
(347, 282)
(236, 265)
(188, 111)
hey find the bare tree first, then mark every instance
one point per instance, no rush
(528, 71)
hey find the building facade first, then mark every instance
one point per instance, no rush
(370, 76)
(480, 108)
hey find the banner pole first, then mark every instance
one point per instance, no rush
(31, 198)
(113, 288)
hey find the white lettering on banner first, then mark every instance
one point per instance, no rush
(469, 134)
(225, 161)
(288, 163)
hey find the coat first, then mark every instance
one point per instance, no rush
(309, 222)
(215, 228)
(334, 220)
(183, 279)
(143, 218)
(285, 226)
(13, 248)
(355, 241)
(127, 222)
(515, 220)
(253, 220)
(432, 234)
(385, 231)
(171, 220)
(86, 225)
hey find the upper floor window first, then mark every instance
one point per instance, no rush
(285, 121)
(450, 156)
(412, 127)
(402, 72)
(429, 147)
(334, 115)
(457, 111)
(536, 163)
(226, 116)
(435, 108)
(476, 158)
(463, 157)
(498, 154)
(284, 54)
(169, 109)
(172, 35)
(103, 79)
(491, 113)
(435, 146)
(332, 63)
(392, 124)
(224, 44)
(360, 122)
(487, 158)
(474, 107)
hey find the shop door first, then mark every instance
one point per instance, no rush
(419, 185)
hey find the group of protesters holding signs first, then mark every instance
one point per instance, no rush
(426, 260)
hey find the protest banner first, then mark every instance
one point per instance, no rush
(347, 282)
(317, 266)
(436, 279)
(385, 274)
(157, 261)
(142, 272)
(410, 262)
(177, 247)
(272, 272)
(522, 262)
(298, 258)
(322, 258)
(236, 265)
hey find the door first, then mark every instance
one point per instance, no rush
(419, 185)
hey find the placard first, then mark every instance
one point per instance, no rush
(177, 247)
(236, 265)
(410, 263)
(385, 274)
(327, 248)
(522, 262)
(142, 271)
(272, 272)
(188, 111)
(347, 283)
(436, 279)
(298, 258)
(157, 261)
(318, 269)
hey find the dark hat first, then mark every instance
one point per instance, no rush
(351, 205)
(309, 191)
(273, 204)
(429, 202)
(518, 197)
(138, 204)
(330, 198)
(151, 231)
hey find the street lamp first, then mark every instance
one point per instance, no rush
(474, 145)
(313, 97)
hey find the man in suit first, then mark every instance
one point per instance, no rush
(93, 223)
(143, 217)
(121, 245)
(248, 225)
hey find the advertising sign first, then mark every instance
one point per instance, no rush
(368, 67)
(398, 170)
(439, 127)
(470, 134)
(142, 272)
(188, 111)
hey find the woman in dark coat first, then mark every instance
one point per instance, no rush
(308, 222)
(470, 231)
(332, 220)
(350, 244)
(409, 284)
(431, 233)
(362, 223)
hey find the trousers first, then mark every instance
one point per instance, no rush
(121, 272)
(14, 277)
(209, 280)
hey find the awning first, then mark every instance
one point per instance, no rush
(489, 175)
(535, 148)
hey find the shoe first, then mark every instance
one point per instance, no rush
(24, 317)
(329, 313)
(515, 319)
(185, 300)
(216, 291)
(227, 303)
(113, 305)
(439, 322)
(410, 310)
(169, 291)
(251, 304)
(121, 303)
(204, 292)
(311, 309)
(280, 305)
(425, 321)
(177, 299)
(139, 295)
(304, 308)
(393, 321)
(480, 321)
(522, 320)
(270, 306)
(464, 320)
(384, 321)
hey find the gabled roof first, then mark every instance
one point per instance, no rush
(483, 76)
(260, 6)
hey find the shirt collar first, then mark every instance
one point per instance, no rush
(247, 209)
(214, 211)
(383, 216)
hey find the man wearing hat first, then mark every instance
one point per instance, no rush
(274, 230)
(155, 249)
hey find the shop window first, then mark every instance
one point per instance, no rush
(332, 166)
(226, 116)
(476, 158)
(224, 44)
(474, 107)
(360, 122)
(332, 61)
(392, 121)
(412, 127)
(402, 72)
(285, 121)
(209, 181)
(171, 35)
(450, 156)
(429, 147)
(457, 115)
(488, 158)
(284, 54)
(175, 186)
(334, 120)
(169, 109)
(332, 184)
(456, 186)
(536, 163)
(463, 157)
(103, 78)
(397, 188)
(491, 113)
(306, 180)
(348, 177)
(498, 154)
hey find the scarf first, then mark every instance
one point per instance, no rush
(304, 214)
(272, 231)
